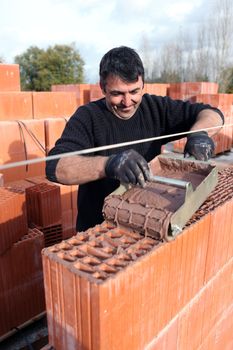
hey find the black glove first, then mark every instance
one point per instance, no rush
(128, 167)
(199, 145)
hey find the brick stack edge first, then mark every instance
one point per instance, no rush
(30, 219)
(21, 278)
(108, 288)
(43, 203)
(21, 282)
(13, 217)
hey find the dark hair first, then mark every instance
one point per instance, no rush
(123, 62)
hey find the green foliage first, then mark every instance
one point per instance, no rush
(60, 64)
(228, 75)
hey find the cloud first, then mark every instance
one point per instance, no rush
(95, 26)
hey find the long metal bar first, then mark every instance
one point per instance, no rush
(170, 181)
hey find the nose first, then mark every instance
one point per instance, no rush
(126, 100)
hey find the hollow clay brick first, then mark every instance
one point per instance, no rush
(53, 130)
(187, 89)
(21, 282)
(82, 91)
(9, 77)
(15, 106)
(156, 89)
(68, 205)
(167, 338)
(21, 141)
(13, 217)
(43, 204)
(220, 337)
(95, 92)
(120, 283)
(53, 104)
(1, 180)
(204, 313)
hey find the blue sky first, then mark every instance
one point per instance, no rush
(95, 26)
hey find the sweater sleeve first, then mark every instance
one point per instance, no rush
(178, 116)
(75, 136)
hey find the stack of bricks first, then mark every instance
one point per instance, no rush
(183, 91)
(43, 203)
(53, 130)
(21, 277)
(68, 199)
(156, 89)
(223, 139)
(13, 217)
(95, 92)
(111, 288)
(21, 141)
(23, 105)
(53, 104)
(82, 91)
(207, 93)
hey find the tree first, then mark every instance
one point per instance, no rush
(60, 64)
(207, 57)
(229, 87)
(220, 34)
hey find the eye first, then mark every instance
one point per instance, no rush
(134, 92)
(115, 93)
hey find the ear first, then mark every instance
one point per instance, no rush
(102, 88)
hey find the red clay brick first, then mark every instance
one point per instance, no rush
(22, 140)
(82, 91)
(53, 104)
(187, 89)
(107, 269)
(95, 92)
(1, 180)
(9, 77)
(156, 89)
(15, 105)
(21, 282)
(53, 130)
(13, 217)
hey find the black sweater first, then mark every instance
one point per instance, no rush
(93, 125)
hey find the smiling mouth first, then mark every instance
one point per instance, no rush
(123, 109)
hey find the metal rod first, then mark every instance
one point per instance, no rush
(169, 181)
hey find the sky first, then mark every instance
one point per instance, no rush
(95, 26)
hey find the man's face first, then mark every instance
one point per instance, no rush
(123, 98)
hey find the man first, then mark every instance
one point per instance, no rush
(124, 115)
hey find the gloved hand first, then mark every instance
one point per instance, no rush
(128, 167)
(199, 145)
